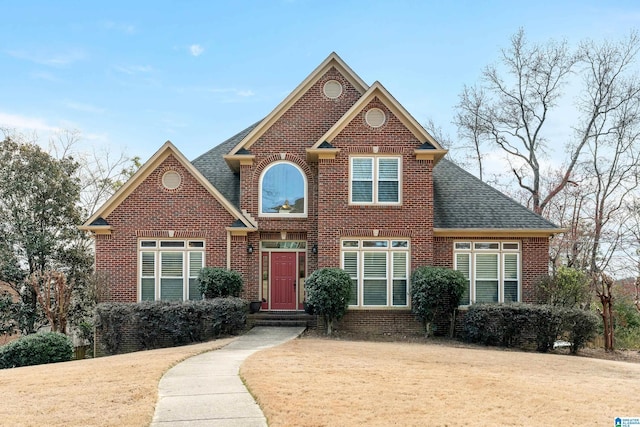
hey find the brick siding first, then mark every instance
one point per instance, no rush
(151, 211)
(190, 211)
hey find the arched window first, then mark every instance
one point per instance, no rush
(283, 189)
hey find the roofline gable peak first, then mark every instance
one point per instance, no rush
(166, 150)
(333, 60)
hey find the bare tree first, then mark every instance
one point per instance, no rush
(614, 167)
(101, 171)
(510, 108)
(471, 127)
(567, 210)
(603, 285)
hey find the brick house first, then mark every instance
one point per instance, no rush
(339, 174)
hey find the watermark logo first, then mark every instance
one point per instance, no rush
(627, 422)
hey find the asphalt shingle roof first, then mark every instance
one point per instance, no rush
(217, 171)
(461, 201)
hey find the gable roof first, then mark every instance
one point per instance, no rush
(463, 204)
(213, 167)
(97, 221)
(333, 60)
(377, 90)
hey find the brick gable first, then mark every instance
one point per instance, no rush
(412, 219)
(152, 211)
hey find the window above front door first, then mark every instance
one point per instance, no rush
(283, 189)
(374, 180)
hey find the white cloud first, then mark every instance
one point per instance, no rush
(50, 59)
(196, 49)
(87, 108)
(245, 93)
(120, 26)
(15, 121)
(133, 69)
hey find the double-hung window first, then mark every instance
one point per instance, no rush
(492, 270)
(169, 269)
(379, 271)
(375, 180)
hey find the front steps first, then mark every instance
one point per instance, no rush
(282, 318)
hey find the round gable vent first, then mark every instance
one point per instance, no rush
(171, 180)
(375, 117)
(332, 89)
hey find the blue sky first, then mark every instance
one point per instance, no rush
(131, 75)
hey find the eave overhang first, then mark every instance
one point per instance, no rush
(235, 161)
(240, 231)
(97, 229)
(430, 154)
(315, 154)
(497, 232)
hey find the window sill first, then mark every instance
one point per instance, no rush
(275, 216)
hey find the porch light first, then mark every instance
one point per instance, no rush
(250, 248)
(314, 249)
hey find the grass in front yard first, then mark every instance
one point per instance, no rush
(117, 390)
(322, 382)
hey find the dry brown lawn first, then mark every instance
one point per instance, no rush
(118, 390)
(322, 382)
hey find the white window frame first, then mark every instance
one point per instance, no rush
(188, 249)
(503, 250)
(277, 214)
(375, 180)
(358, 246)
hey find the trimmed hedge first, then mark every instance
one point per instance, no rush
(36, 349)
(328, 292)
(435, 292)
(517, 325)
(216, 282)
(156, 324)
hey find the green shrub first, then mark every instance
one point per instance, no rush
(217, 282)
(36, 349)
(157, 324)
(500, 325)
(567, 288)
(580, 326)
(546, 324)
(482, 324)
(110, 322)
(628, 338)
(328, 291)
(435, 291)
(516, 325)
(627, 322)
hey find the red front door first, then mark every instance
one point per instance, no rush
(283, 280)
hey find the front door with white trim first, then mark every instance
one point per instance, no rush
(283, 280)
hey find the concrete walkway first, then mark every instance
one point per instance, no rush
(206, 390)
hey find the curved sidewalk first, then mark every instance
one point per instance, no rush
(206, 390)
